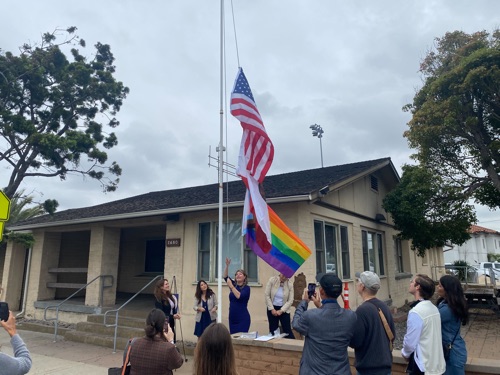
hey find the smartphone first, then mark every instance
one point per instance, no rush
(165, 325)
(311, 289)
(4, 311)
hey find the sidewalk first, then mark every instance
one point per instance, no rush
(67, 357)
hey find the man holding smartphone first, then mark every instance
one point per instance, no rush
(20, 364)
(325, 349)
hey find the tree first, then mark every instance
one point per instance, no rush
(455, 126)
(427, 211)
(455, 129)
(53, 110)
(23, 207)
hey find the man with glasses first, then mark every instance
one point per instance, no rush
(327, 329)
(422, 345)
(371, 343)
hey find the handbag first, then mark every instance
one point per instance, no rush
(125, 369)
(447, 347)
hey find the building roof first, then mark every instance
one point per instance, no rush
(477, 229)
(291, 186)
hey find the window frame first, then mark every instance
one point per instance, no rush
(398, 254)
(339, 243)
(246, 258)
(377, 257)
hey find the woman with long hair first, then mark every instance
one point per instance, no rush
(454, 312)
(166, 302)
(205, 305)
(155, 353)
(239, 317)
(214, 353)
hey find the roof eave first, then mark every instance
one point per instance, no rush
(136, 215)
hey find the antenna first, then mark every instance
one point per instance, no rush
(226, 167)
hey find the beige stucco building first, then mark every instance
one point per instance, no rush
(336, 211)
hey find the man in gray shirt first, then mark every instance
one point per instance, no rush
(20, 364)
(327, 329)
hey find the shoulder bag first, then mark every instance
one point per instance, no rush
(388, 330)
(447, 347)
(125, 369)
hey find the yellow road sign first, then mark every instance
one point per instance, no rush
(4, 206)
(4, 211)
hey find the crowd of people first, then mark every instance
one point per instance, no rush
(432, 343)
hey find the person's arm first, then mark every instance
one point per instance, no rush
(196, 305)
(226, 269)
(412, 336)
(358, 336)
(244, 294)
(216, 304)
(20, 364)
(175, 312)
(269, 286)
(175, 359)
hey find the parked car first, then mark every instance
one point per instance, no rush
(484, 268)
(330, 267)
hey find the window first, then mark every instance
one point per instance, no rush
(373, 252)
(232, 247)
(398, 254)
(155, 256)
(374, 183)
(332, 248)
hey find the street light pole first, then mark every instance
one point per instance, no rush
(317, 131)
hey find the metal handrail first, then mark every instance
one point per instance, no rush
(56, 324)
(466, 269)
(117, 311)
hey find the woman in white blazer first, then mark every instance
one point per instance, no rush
(205, 305)
(279, 299)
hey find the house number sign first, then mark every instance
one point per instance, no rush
(173, 242)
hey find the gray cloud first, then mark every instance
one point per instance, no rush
(348, 66)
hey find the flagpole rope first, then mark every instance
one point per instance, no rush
(235, 35)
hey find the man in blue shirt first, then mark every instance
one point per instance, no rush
(325, 347)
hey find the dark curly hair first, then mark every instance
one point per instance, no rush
(198, 292)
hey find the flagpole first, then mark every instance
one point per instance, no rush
(221, 164)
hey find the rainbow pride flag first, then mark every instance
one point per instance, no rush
(287, 253)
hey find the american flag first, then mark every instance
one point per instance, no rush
(258, 148)
(255, 158)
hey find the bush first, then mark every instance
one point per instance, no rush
(461, 270)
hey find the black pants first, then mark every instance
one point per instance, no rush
(412, 367)
(284, 319)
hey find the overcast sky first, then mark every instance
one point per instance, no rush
(349, 66)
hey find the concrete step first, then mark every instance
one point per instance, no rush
(37, 327)
(139, 312)
(96, 339)
(97, 328)
(121, 342)
(124, 321)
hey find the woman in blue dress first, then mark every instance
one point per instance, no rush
(454, 313)
(205, 305)
(239, 317)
